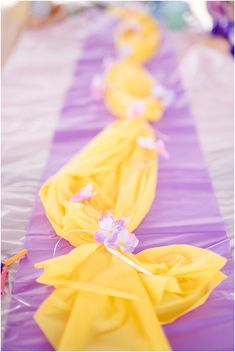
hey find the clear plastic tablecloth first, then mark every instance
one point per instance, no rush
(207, 74)
(34, 81)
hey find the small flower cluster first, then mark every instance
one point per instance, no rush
(150, 144)
(113, 233)
(83, 194)
(163, 93)
(136, 108)
(97, 87)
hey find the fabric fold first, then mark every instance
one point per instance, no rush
(130, 92)
(138, 35)
(116, 166)
(103, 303)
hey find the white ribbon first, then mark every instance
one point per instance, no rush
(111, 250)
(129, 261)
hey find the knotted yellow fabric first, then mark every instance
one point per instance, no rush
(138, 35)
(106, 298)
(129, 88)
(116, 165)
(129, 92)
(101, 302)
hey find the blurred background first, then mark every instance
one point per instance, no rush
(40, 42)
(216, 17)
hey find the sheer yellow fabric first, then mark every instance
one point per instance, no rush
(99, 301)
(115, 165)
(126, 83)
(138, 35)
(102, 302)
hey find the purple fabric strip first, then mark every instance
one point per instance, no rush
(184, 211)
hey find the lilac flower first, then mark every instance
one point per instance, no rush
(134, 26)
(113, 233)
(150, 144)
(126, 241)
(108, 63)
(146, 143)
(161, 149)
(163, 93)
(131, 26)
(124, 51)
(83, 194)
(136, 109)
(97, 87)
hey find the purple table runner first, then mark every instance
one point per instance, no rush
(184, 211)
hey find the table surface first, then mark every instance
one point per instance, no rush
(35, 79)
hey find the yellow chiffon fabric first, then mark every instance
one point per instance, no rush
(100, 301)
(127, 82)
(116, 166)
(138, 35)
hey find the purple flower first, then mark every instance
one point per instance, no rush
(83, 194)
(97, 88)
(124, 51)
(108, 63)
(126, 241)
(150, 144)
(161, 149)
(160, 92)
(113, 233)
(136, 109)
(132, 26)
(146, 143)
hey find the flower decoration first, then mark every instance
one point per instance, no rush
(162, 135)
(126, 241)
(163, 93)
(150, 144)
(97, 87)
(161, 149)
(107, 63)
(83, 194)
(136, 108)
(131, 27)
(125, 51)
(113, 233)
(146, 143)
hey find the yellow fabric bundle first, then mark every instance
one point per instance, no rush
(128, 84)
(138, 35)
(115, 165)
(102, 303)
(106, 299)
